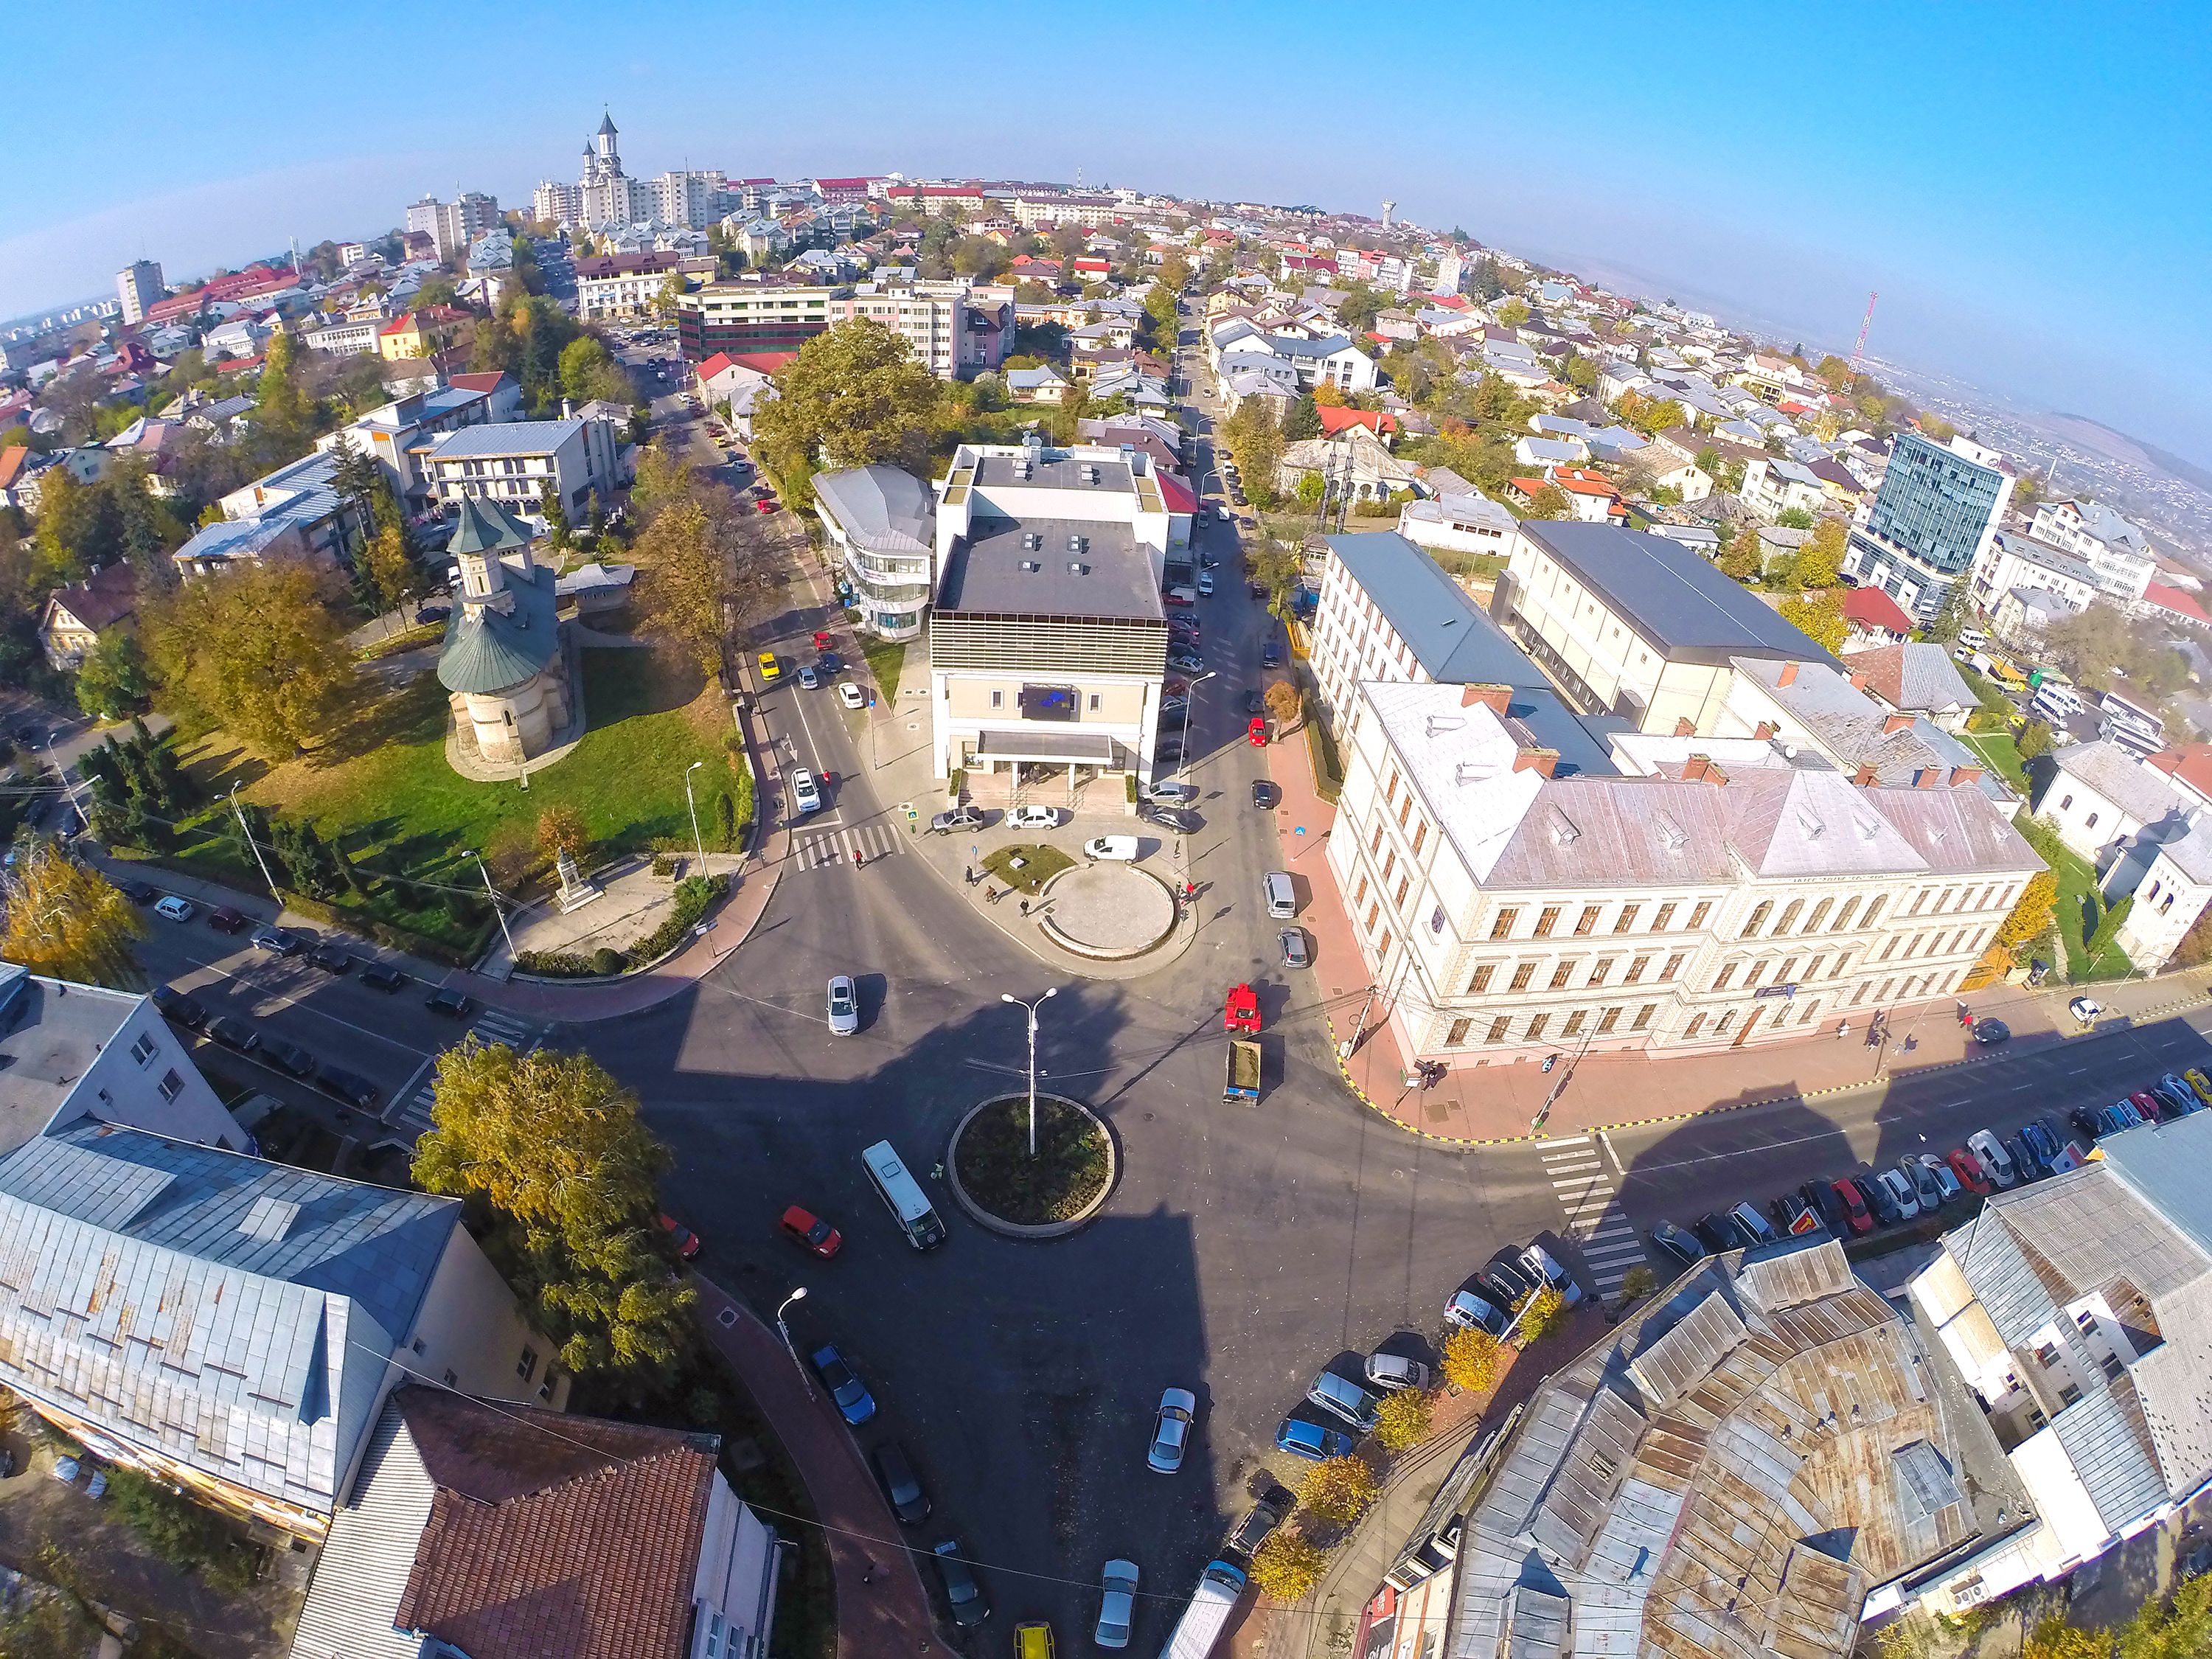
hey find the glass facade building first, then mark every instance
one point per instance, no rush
(1935, 513)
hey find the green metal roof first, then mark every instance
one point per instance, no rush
(489, 650)
(487, 527)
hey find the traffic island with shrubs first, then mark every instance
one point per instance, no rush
(692, 897)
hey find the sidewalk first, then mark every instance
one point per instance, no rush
(1485, 1105)
(883, 1612)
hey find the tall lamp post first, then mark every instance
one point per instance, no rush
(1189, 721)
(784, 1331)
(246, 830)
(695, 839)
(495, 910)
(1031, 1007)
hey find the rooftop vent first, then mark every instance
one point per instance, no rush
(1031, 565)
(1473, 772)
(1031, 541)
(1440, 724)
(1076, 567)
(1672, 835)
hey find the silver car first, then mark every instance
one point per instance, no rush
(844, 1007)
(1171, 1430)
(1117, 1608)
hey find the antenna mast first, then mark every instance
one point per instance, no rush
(1858, 351)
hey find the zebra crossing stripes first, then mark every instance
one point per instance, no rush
(869, 841)
(490, 1025)
(1596, 1221)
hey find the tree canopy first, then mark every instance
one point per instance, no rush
(852, 397)
(65, 921)
(260, 651)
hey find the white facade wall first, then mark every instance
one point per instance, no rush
(144, 1078)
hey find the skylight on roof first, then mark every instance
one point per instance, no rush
(270, 1218)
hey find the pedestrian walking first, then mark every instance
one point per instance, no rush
(869, 1573)
(1843, 1029)
(1025, 907)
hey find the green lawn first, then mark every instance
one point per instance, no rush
(2002, 754)
(1040, 864)
(2078, 881)
(886, 662)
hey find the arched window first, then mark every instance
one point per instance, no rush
(2068, 802)
(2089, 822)
(1873, 910)
(1788, 917)
(1844, 916)
(1758, 919)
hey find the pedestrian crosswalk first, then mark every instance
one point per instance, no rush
(412, 1119)
(869, 841)
(1595, 1220)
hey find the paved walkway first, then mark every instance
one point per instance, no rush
(882, 1611)
(1485, 1105)
(632, 902)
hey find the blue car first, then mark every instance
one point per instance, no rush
(854, 1402)
(1302, 1439)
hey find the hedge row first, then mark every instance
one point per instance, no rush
(694, 895)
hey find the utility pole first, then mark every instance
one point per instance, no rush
(245, 830)
(495, 910)
(696, 840)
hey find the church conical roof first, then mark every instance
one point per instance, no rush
(606, 125)
(487, 528)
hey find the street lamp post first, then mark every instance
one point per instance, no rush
(784, 1331)
(696, 841)
(1031, 1008)
(1190, 721)
(246, 830)
(495, 910)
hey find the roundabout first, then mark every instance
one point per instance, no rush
(1108, 911)
(1002, 1186)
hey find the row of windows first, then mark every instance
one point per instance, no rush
(1564, 970)
(1548, 919)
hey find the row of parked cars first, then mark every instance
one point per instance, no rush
(1921, 1183)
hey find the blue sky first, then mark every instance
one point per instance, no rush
(2023, 183)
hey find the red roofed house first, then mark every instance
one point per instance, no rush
(727, 375)
(502, 395)
(1872, 618)
(515, 1533)
(2172, 599)
(1590, 496)
(1093, 267)
(78, 616)
(2188, 768)
(1334, 420)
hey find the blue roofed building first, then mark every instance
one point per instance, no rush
(233, 1326)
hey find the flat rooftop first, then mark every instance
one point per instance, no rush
(1063, 472)
(1670, 595)
(995, 569)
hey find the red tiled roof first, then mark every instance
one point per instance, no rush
(487, 383)
(14, 460)
(1334, 420)
(766, 362)
(2191, 763)
(1176, 494)
(1869, 607)
(2174, 600)
(402, 324)
(537, 1544)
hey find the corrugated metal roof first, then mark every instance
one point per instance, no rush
(2109, 1445)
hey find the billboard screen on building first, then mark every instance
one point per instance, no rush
(1048, 702)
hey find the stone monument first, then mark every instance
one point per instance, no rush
(575, 892)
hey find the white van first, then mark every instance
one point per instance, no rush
(1974, 637)
(1282, 897)
(1207, 1615)
(2055, 700)
(1119, 848)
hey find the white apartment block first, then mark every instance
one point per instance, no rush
(452, 226)
(518, 462)
(622, 284)
(347, 338)
(1771, 488)
(935, 318)
(556, 203)
(1507, 912)
(1043, 212)
(2115, 549)
(139, 287)
(2013, 562)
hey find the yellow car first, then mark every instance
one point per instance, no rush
(1033, 1640)
(2196, 1080)
(771, 671)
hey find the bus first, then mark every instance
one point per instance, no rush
(900, 1191)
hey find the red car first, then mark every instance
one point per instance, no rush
(686, 1241)
(804, 1228)
(1256, 733)
(224, 920)
(1968, 1169)
(764, 506)
(2152, 1110)
(1856, 1216)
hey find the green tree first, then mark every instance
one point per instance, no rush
(1302, 419)
(280, 411)
(2100, 941)
(1794, 518)
(1311, 487)
(1359, 307)
(66, 922)
(1175, 273)
(1819, 618)
(2177, 1629)
(553, 1147)
(1820, 563)
(260, 651)
(1543, 1312)
(1936, 429)
(113, 680)
(683, 581)
(587, 372)
(78, 527)
(1549, 502)
(1256, 440)
(2034, 739)
(1513, 313)
(1166, 318)
(672, 290)
(1471, 1359)
(1580, 372)
(388, 577)
(2032, 912)
(853, 397)
(1287, 1565)
(562, 829)
(1401, 1422)
(1339, 1488)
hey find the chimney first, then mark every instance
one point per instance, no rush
(1539, 761)
(1695, 768)
(1497, 699)
(1858, 682)
(1927, 777)
(1789, 674)
(1893, 724)
(1685, 727)
(1864, 778)
(1767, 728)
(1964, 775)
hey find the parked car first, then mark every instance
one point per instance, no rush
(299, 1061)
(844, 1007)
(806, 793)
(2088, 1010)
(1678, 1242)
(233, 1033)
(1993, 1157)
(1171, 818)
(1262, 1519)
(1264, 794)
(960, 818)
(1792, 1214)
(1826, 1205)
(963, 1593)
(178, 1008)
(1721, 1232)
(2024, 1158)
(224, 920)
(901, 1485)
(1880, 1199)
(686, 1241)
(1391, 1371)
(1291, 944)
(854, 1403)
(453, 1005)
(1506, 1274)
(1169, 794)
(382, 976)
(331, 958)
(1187, 663)
(1471, 1312)
(2047, 1142)
(1946, 1180)
(2151, 1106)
(1991, 1030)
(1902, 1192)
(1302, 1439)
(1856, 1214)
(2200, 1083)
(278, 941)
(355, 1090)
(810, 1232)
(851, 695)
(176, 909)
(1171, 1426)
(1117, 1604)
(1542, 1265)
(1925, 1186)
(1342, 1397)
(1968, 1167)
(1032, 817)
(1114, 849)
(137, 891)
(1254, 704)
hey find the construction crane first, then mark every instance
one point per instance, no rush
(1858, 351)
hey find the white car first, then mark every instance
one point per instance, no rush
(1117, 1608)
(1996, 1163)
(806, 793)
(844, 1007)
(1205, 584)
(2086, 1009)
(851, 695)
(1171, 1430)
(1903, 1193)
(1539, 1261)
(1120, 848)
(1033, 817)
(174, 909)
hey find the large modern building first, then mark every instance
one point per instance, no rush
(1933, 516)
(622, 284)
(881, 520)
(740, 318)
(1048, 649)
(139, 287)
(955, 329)
(2079, 1311)
(452, 226)
(520, 462)
(1696, 892)
(1748, 1467)
(1636, 626)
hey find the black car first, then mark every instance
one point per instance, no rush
(1505, 1276)
(1720, 1232)
(332, 958)
(1254, 704)
(179, 1009)
(1172, 818)
(344, 1085)
(136, 891)
(382, 976)
(1825, 1203)
(1263, 795)
(449, 1002)
(278, 941)
(233, 1033)
(1262, 1519)
(970, 1609)
(2087, 1121)
(901, 1485)
(291, 1056)
(2025, 1157)
(1679, 1243)
(425, 615)
(1991, 1030)
(1879, 1198)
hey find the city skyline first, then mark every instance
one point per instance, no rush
(1786, 213)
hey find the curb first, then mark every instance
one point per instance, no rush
(1065, 941)
(1026, 1232)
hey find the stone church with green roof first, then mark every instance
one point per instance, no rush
(511, 675)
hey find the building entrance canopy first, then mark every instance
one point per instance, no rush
(1052, 748)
